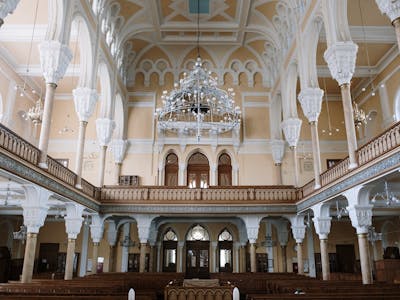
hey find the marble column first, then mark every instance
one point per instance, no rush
(118, 148)
(7, 7)
(236, 255)
(151, 258)
(34, 210)
(180, 256)
(385, 106)
(84, 250)
(181, 174)
(213, 261)
(96, 231)
(85, 102)
(104, 129)
(291, 129)
(112, 233)
(300, 263)
(392, 10)
(323, 244)
(366, 271)
(310, 253)
(278, 151)
(54, 60)
(311, 99)
(125, 247)
(142, 262)
(284, 258)
(73, 224)
(281, 226)
(159, 269)
(253, 262)
(214, 174)
(299, 231)
(341, 59)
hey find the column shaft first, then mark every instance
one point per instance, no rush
(324, 259)
(284, 259)
(316, 154)
(117, 173)
(363, 246)
(94, 258)
(143, 247)
(46, 123)
(349, 124)
(84, 251)
(151, 259)
(111, 259)
(29, 258)
(396, 24)
(79, 152)
(300, 265)
(179, 266)
(102, 165)
(69, 263)
(296, 167)
(278, 168)
(253, 265)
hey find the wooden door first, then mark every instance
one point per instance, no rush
(197, 259)
(346, 258)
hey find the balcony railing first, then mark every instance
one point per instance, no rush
(18, 147)
(231, 194)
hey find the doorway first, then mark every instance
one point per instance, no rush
(346, 258)
(197, 259)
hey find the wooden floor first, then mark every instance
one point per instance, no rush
(150, 286)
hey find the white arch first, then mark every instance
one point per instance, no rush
(105, 95)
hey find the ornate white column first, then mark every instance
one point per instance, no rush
(322, 228)
(252, 223)
(85, 102)
(73, 223)
(125, 247)
(143, 224)
(235, 174)
(34, 211)
(291, 128)
(385, 106)
(299, 231)
(104, 129)
(118, 148)
(341, 60)
(181, 175)
(361, 219)
(278, 151)
(270, 249)
(96, 231)
(159, 269)
(213, 261)
(181, 244)
(392, 9)
(7, 7)
(283, 237)
(54, 60)
(112, 235)
(311, 99)
(84, 250)
(214, 175)
(236, 249)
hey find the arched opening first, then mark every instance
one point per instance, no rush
(198, 170)
(225, 243)
(171, 170)
(170, 243)
(224, 170)
(197, 253)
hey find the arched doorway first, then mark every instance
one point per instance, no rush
(197, 253)
(198, 170)
(224, 170)
(170, 243)
(171, 170)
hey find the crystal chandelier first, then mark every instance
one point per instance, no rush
(388, 196)
(196, 106)
(35, 113)
(359, 116)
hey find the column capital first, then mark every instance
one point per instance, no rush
(54, 60)
(104, 129)
(278, 150)
(390, 8)
(361, 217)
(299, 233)
(310, 100)
(96, 228)
(143, 224)
(252, 223)
(322, 227)
(7, 7)
(291, 128)
(341, 60)
(118, 148)
(73, 219)
(85, 102)
(35, 207)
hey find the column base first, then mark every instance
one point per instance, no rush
(78, 186)
(317, 186)
(353, 166)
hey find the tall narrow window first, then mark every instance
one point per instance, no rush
(170, 242)
(224, 170)
(197, 171)
(225, 251)
(171, 170)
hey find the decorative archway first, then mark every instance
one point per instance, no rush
(171, 170)
(224, 170)
(197, 252)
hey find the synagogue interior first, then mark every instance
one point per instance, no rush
(254, 143)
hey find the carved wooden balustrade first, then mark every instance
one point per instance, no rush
(211, 195)
(220, 292)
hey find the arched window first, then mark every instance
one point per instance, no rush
(197, 171)
(171, 170)
(225, 241)
(224, 170)
(170, 242)
(197, 250)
